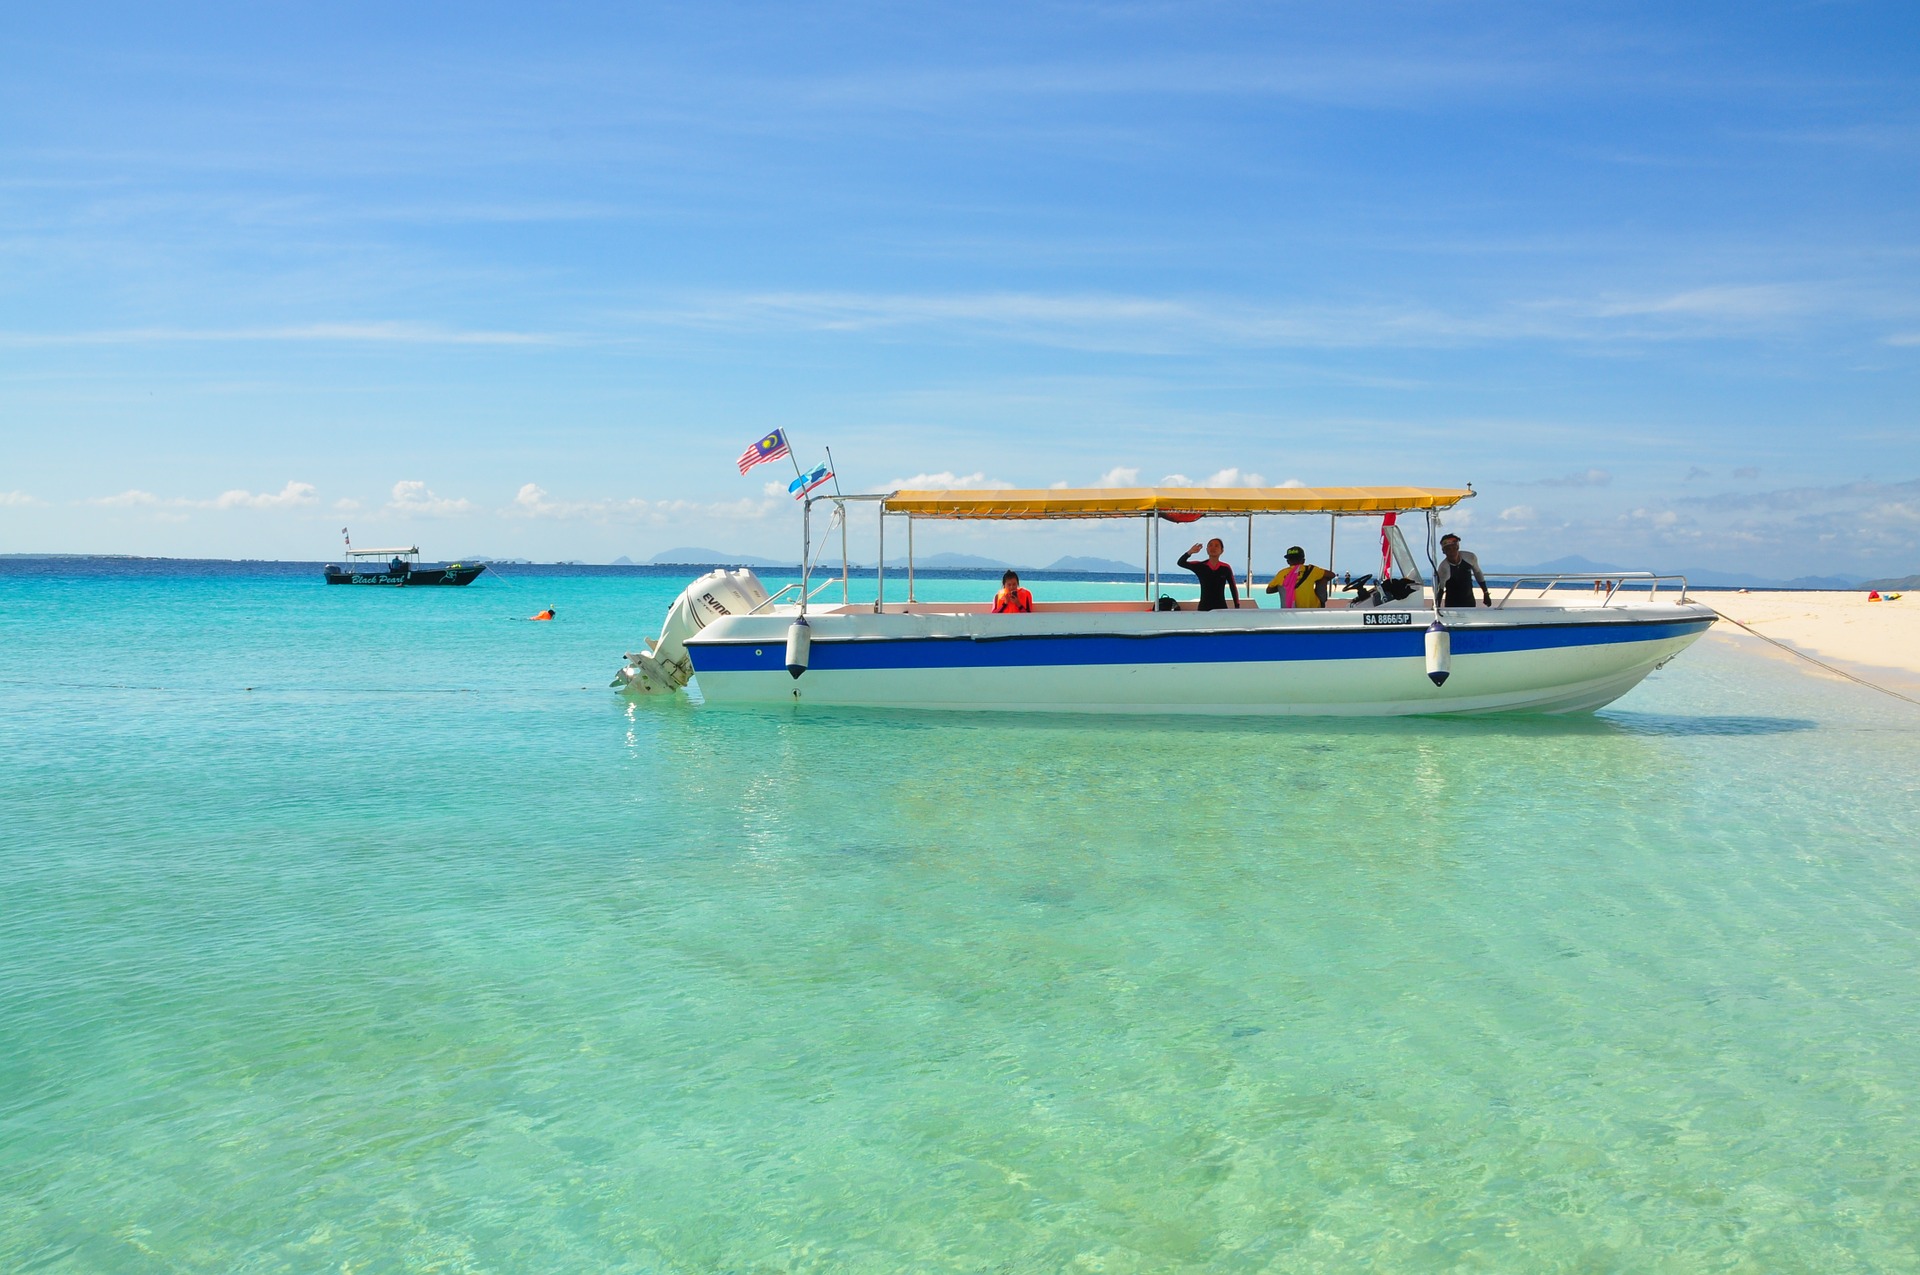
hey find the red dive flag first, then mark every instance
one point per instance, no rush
(1386, 546)
(772, 447)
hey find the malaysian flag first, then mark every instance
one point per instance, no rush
(772, 447)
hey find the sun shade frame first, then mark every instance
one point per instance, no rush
(1135, 502)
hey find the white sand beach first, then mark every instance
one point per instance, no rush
(1878, 641)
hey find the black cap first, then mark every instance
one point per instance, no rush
(1296, 552)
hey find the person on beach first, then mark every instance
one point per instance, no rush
(544, 615)
(1302, 584)
(1453, 578)
(1216, 577)
(1011, 597)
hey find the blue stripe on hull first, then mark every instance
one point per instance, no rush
(1218, 647)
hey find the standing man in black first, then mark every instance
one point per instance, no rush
(1216, 577)
(1453, 578)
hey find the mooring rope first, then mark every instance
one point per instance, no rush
(1792, 650)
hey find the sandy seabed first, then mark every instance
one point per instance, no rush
(1878, 641)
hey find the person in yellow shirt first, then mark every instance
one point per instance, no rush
(1301, 584)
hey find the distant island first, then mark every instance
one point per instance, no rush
(697, 557)
(1575, 565)
(1096, 564)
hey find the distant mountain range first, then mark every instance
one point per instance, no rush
(1571, 565)
(697, 557)
(1575, 565)
(694, 556)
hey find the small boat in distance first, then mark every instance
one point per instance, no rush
(404, 568)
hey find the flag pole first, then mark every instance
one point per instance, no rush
(833, 472)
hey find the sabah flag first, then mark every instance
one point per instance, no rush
(772, 447)
(809, 480)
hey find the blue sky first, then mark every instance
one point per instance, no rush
(525, 281)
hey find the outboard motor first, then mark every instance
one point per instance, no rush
(664, 667)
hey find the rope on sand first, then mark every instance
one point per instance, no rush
(1792, 650)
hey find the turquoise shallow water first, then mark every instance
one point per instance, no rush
(428, 952)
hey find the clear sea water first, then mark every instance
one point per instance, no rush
(357, 930)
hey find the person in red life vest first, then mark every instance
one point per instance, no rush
(1216, 577)
(1011, 596)
(544, 615)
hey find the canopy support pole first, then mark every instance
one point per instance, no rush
(1146, 560)
(880, 571)
(1249, 555)
(846, 566)
(1333, 532)
(909, 559)
(806, 552)
(1155, 558)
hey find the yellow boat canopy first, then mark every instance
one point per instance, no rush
(1135, 502)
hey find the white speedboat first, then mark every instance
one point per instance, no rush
(1388, 650)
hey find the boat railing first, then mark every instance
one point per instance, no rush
(1611, 586)
(785, 590)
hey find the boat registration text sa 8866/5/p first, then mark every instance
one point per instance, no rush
(1387, 617)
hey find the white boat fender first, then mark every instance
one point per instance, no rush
(1439, 653)
(799, 646)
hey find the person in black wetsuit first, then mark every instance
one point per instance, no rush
(1455, 575)
(1216, 577)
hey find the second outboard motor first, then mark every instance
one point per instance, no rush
(1439, 653)
(799, 646)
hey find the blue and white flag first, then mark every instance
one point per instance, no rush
(809, 480)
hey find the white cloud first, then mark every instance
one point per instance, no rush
(946, 481)
(346, 505)
(533, 501)
(1522, 514)
(414, 500)
(1233, 478)
(1582, 478)
(374, 333)
(293, 496)
(1170, 324)
(18, 500)
(1740, 302)
(1119, 476)
(1903, 338)
(1176, 480)
(129, 499)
